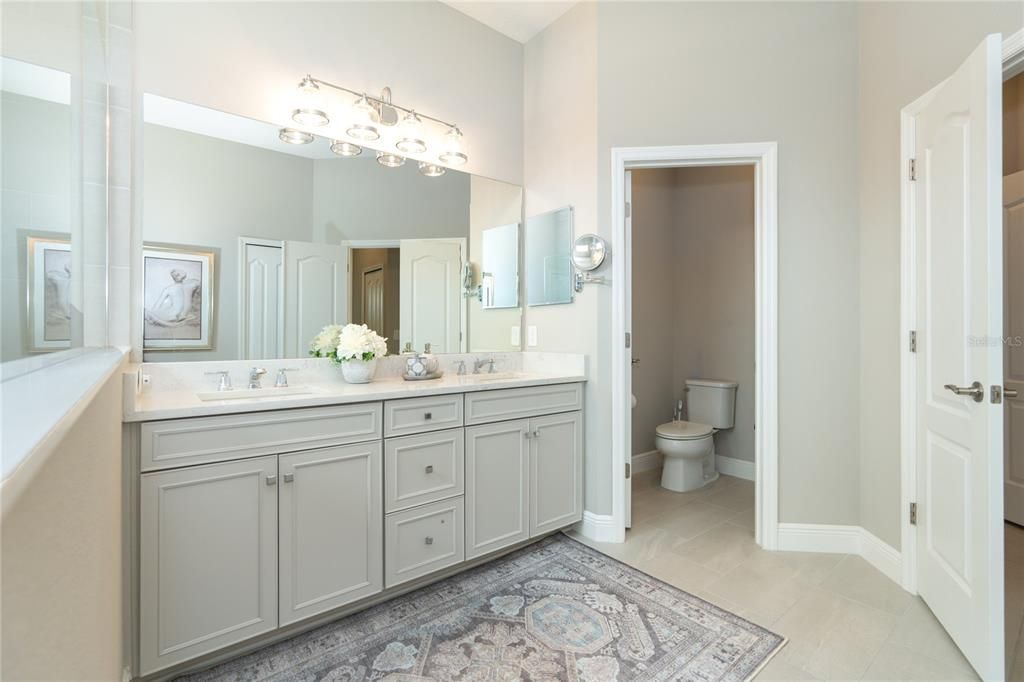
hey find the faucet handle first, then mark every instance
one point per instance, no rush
(282, 378)
(462, 367)
(225, 379)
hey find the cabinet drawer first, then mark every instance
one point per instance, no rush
(180, 442)
(422, 540)
(416, 415)
(515, 403)
(423, 468)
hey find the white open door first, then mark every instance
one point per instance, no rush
(1013, 245)
(959, 432)
(315, 292)
(432, 308)
(628, 262)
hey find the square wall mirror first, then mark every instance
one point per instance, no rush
(548, 257)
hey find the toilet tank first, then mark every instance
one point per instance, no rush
(711, 402)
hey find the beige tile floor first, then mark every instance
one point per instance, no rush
(844, 620)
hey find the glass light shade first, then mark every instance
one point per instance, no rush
(293, 136)
(410, 135)
(453, 148)
(432, 170)
(310, 117)
(364, 121)
(390, 160)
(342, 148)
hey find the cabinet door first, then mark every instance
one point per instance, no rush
(556, 472)
(331, 528)
(497, 486)
(208, 552)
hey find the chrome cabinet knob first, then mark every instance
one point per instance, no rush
(288, 478)
(428, 415)
(975, 391)
(428, 540)
(272, 479)
(429, 469)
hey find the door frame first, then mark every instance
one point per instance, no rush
(763, 157)
(1013, 63)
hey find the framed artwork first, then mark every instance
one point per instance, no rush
(49, 294)
(178, 297)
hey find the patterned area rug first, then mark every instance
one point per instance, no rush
(556, 610)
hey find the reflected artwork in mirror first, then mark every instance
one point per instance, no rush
(549, 274)
(306, 235)
(41, 282)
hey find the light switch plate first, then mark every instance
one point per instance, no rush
(531, 335)
(514, 337)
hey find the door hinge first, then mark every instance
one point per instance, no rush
(913, 513)
(629, 209)
(629, 340)
(912, 170)
(913, 342)
(629, 469)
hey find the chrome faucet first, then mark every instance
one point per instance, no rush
(479, 364)
(462, 367)
(225, 379)
(254, 376)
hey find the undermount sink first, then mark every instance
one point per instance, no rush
(249, 393)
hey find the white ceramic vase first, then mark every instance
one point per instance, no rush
(359, 371)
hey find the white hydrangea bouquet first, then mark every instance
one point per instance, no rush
(355, 347)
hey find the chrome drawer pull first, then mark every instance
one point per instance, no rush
(428, 415)
(428, 540)
(429, 469)
(288, 478)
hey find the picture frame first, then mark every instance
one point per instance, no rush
(48, 294)
(178, 297)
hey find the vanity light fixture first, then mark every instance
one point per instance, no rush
(369, 115)
(390, 159)
(364, 121)
(309, 112)
(293, 136)
(432, 170)
(453, 153)
(411, 140)
(342, 148)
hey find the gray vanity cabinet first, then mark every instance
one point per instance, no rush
(556, 471)
(208, 558)
(331, 536)
(497, 486)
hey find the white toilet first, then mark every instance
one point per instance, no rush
(689, 446)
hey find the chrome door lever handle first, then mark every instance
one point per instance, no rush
(975, 390)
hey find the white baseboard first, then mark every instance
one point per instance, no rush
(740, 468)
(646, 461)
(600, 528)
(833, 539)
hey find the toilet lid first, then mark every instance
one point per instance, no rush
(684, 430)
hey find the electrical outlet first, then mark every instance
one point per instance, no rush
(515, 335)
(531, 336)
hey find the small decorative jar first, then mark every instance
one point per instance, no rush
(359, 371)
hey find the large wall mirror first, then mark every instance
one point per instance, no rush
(251, 245)
(41, 278)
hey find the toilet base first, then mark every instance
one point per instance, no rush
(683, 474)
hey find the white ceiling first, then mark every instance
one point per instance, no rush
(518, 19)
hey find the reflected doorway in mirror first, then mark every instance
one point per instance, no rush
(49, 293)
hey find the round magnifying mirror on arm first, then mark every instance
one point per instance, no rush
(588, 253)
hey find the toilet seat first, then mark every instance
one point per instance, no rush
(684, 430)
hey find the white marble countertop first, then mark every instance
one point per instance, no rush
(178, 401)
